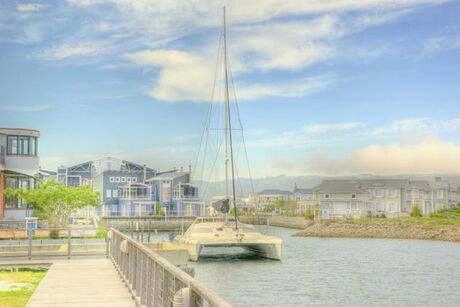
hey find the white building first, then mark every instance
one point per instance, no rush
(348, 197)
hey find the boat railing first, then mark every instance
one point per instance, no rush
(153, 280)
(211, 219)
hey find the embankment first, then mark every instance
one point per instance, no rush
(428, 229)
(296, 222)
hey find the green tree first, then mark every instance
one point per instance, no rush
(158, 210)
(280, 206)
(416, 212)
(54, 201)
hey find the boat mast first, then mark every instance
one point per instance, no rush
(228, 128)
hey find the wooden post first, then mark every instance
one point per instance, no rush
(148, 229)
(142, 229)
(29, 248)
(69, 243)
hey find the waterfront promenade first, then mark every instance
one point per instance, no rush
(81, 282)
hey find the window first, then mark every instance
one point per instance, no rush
(379, 193)
(115, 193)
(128, 179)
(123, 179)
(440, 194)
(117, 179)
(108, 193)
(33, 146)
(112, 179)
(134, 179)
(394, 193)
(353, 195)
(12, 145)
(326, 196)
(23, 145)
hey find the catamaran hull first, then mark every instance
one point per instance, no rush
(265, 250)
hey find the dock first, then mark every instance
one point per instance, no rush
(82, 282)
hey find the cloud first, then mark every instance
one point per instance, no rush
(72, 50)
(264, 35)
(28, 7)
(424, 125)
(31, 108)
(441, 43)
(322, 128)
(431, 155)
(186, 76)
(334, 135)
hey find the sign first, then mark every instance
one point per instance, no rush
(325, 214)
(31, 225)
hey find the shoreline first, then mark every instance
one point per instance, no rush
(382, 230)
(291, 222)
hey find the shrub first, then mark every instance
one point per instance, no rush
(309, 216)
(54, 234)
(416, 212)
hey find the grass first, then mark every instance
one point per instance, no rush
(25, 281)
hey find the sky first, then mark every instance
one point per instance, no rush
(336, 87)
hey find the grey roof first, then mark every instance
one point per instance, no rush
(361, 185)
(383, 183)
(168, 175)
(339, 186)
(303, 191)
(274, 192)
(48, 172)
(417, 185)
(107, 163)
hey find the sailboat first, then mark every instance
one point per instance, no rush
(223, 231)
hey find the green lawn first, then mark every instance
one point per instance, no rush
(17, 287)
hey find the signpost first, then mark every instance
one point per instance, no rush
(324, 214)
(31, 227)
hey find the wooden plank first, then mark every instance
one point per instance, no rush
(81, 282)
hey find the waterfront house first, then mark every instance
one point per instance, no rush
(303, 197)
(392, 197)
(268, 196)
(175, 193)
(106, 176)
(19, 167)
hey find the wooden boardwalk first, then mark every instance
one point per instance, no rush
(81, 282)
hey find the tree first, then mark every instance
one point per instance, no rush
(54, 201)
(159, 210)
(288, 206)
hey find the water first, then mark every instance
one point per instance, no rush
(338, 272)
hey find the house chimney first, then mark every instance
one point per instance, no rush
(181, 168)
(145, 173)
(190, 168)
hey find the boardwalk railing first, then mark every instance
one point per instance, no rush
(51, 243)
(154, 281)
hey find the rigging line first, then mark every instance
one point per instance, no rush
(207, 122)
(212, 168)
(242, 132)
(239, 180)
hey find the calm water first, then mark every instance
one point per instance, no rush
(338, 272)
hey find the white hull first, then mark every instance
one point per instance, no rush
(216, 234)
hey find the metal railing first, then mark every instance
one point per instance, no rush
(51, 242)
(154, 281)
